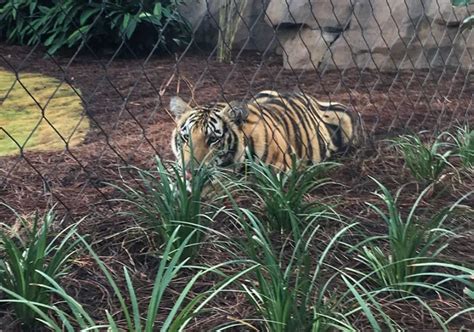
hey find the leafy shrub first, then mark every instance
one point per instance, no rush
(283, 193)
(72, 314)
(461, 274)
(425, 162)
(26, 262)
(169, 200)
(292, 291)
(70, 23)
(410, 241)
(296, 288)
(173, 261)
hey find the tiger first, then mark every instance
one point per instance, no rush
(271, 126)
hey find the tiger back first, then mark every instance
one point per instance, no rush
(274, 127)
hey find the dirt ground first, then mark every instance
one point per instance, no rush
(127, 100)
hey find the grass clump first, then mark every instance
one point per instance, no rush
(425, 162)
(132, 314)
(168, 200)
(24, 125)
(464, 145)
(294, 287)
(284, 193)
(28, 260)
(394, 260)
(291, 291)
(185, 307)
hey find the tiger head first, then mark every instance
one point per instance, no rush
(210, 134)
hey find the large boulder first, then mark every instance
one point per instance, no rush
(306, 29)
(304, 49)
(312, 13)
(385, 35)
(397, 34)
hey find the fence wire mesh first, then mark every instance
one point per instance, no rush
(85, 91)
(403, 65)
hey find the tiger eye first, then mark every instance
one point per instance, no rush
(212, 139)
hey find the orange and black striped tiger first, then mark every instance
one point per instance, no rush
(272, 126)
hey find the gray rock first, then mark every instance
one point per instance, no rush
(312, 13)
(382, 34)
(306, 48)
(401, 34)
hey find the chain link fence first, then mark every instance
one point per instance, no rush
(405, 66)
(85, 90)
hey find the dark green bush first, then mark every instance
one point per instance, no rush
(102, 24)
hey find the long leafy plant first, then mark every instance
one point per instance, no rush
(71, 23)
(28, 259)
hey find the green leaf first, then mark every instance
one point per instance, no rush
(157, 10)
(458, 3)
(468, 23)
(32, 6)
(150, 18)
(50, 39)
(77, 35)
(86, 14)
(133, 300)
(363, 305)
(131, 27)
(469, 293)
(125, 22)
(144, 14)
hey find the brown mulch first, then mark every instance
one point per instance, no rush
(126, 100)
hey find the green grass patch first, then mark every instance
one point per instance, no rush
(23, 122)
(167, 201)
(283, 194)
(425, 161)
(27, 259)
(464, 145)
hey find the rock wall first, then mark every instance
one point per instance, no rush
(320, 34)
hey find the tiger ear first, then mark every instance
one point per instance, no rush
(178, 106)
(237, 112)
